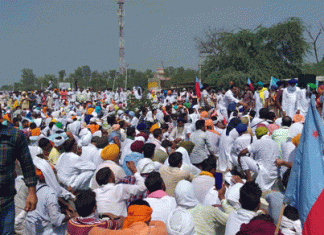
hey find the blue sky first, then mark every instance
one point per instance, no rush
(48, 36)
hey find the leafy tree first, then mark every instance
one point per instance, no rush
(62, 74)
(257, 54)
(28, 80)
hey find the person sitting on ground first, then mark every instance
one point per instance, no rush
(172, 174)
(250, 195)
(111, 197)
(137, 222)
(205, 181)
(208, 219)
(85, 204)
(161, 203)
(265, 151)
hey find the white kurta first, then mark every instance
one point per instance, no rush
(289, 101)
(302, 102)
(258, 101)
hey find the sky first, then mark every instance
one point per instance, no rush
(52, 35)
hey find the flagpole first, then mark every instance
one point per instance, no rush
(280, 218)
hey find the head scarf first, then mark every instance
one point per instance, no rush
(209, 123)
(312, 86)
(180, 222)
(245, 120)
(145, 166)
(155, 126)
(232, 124)
(296, 140)
(58, 141)
(260, 131)
(131, 113)
(187, 145)
(160, 156)
(141, 127)
(260, 84)
(204, 115)
(50, 178)
(241, 128)
(146, 136)
(298, 118)
(137, 213)
(185, 195)
(115, 127)
(110, 152)
(295, 129)
(137, 146)
(272, 127)
(292, 81)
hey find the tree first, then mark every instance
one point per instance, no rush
(62, 74)
(257, 54)
(28, 80)
(314, 40)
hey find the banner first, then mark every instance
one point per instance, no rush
(64, 85)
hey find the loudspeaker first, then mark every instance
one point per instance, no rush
(304, 79)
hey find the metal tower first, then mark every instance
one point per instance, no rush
(121, 22)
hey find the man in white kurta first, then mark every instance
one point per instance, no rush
(261, 96)
(265, 152)
(289, 98)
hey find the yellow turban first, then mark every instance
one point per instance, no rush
(110, 152)
(296, 140)
(90, 111)
(260, 131)
(155, 126)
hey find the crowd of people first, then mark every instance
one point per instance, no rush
(82, 162)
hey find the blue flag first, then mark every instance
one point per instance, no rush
(306, 181)
(273, 81)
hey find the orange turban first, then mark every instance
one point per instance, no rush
(210, 123)
(90, 111)
(35, 132)
(169, 92)
(137, 213)
(110, 152)
(204, 114)
(298, 118)
(296, 140)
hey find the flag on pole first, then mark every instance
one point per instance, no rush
(250, 84)
(273, 81)
(198, 87)
(306, 181)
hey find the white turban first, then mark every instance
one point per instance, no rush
(180, 222)
(58, 141)
(145, 166)
(185, 195)
(233, 195)
(50, 177)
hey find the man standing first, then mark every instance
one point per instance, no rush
(13, 146)
(228, 99)
(261, 97)
(289, 99)
(248, 98)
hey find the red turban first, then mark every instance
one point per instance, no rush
(137, 146)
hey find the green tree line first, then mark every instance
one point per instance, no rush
(279, 51)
